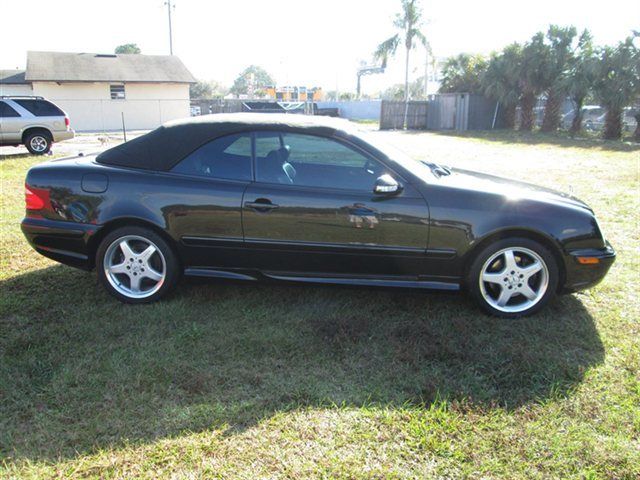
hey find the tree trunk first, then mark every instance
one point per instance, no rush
(406, 88)
(527, 116)
(636, 134)
(613, 124)
(509, 116)
(576, 123)
(551, 121)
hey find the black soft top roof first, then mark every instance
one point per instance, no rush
(165, 146)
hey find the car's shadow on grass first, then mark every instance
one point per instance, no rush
(18, 155)
(79, 371)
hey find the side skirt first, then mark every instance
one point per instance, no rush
(450, 284)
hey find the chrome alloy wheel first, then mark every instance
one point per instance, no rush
(514, 279)
(135, 266)
(38, 143)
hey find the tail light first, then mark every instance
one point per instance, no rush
(66, 122)
(36, 198)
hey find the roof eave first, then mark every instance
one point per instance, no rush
(57, 80)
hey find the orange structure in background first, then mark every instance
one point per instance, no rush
(295, 94)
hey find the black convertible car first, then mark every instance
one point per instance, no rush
(296, 198)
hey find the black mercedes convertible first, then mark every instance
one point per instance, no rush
(306, 199)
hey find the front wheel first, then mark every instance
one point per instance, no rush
(136, 265)
(513, 277)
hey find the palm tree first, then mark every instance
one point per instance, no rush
(617, 82)
(560, 58)
(580, 78)
(408, 23)
(535, 55)
(463, 73)
(501, 81)
(636, 133)
(429, 60)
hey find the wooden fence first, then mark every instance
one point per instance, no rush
(392, 115)
(444, 111)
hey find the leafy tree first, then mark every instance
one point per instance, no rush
(407, 23)
(252, 74)
(200, 90)
(501, 81)
(210, 89)
(463, 73)
(560, 57)
(617, 82)
(347, 96)
(128, 48)
(396, 91)
(331, 95)
(532, 79)
(580, 78)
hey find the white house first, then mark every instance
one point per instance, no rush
(98, 90)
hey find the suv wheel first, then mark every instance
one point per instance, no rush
(136, 265)
(513, 277)
(38, 143)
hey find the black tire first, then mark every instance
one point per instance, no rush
(488, 294)
(164, 260)
(38, 142)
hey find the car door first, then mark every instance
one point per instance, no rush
(312, 209)
(203, 209)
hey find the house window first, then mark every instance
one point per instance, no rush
(117, 92)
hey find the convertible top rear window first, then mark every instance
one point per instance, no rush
(226, 157)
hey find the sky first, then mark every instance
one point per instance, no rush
(300, 42)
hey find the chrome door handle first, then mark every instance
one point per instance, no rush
(261, 206)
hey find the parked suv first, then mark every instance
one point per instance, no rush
(33, 122)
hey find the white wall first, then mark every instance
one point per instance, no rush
(90, 107)
(18, 89)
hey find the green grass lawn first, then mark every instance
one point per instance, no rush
(260, 381)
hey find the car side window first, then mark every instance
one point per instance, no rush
(40, 108)
(227, 157)
(314, 161)
(266, 142)
(6, 111)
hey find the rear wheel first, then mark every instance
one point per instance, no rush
(136, 265)
(513, 277)
(38, 143)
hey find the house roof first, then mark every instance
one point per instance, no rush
(13, 77)
(95, 67)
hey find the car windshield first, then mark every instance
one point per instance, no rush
(421, 169)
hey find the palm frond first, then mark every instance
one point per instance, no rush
(387, 48)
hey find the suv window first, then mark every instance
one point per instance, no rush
(7, 111)
(313, 161)
(40, 108)
(226, 157)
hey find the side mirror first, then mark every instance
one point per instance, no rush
(386, 185)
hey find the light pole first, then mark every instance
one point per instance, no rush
(168, 4)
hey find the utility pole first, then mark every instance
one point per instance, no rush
(169, 6)
(426, 73)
